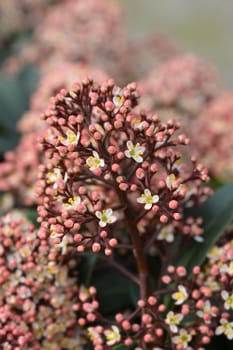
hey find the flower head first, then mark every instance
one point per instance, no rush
(135, 151)
(228, 298)
(105, 217)
(225, 328)
(72, 203)
(113, 335)
(206, 309)
(181, 295)
(173, 320)
(70, 139)
(94, 162)
(34, 285)
(118, 98)
(167, 233)
(183, 338)
(53, 176)
(97, 172)
(147, 199)
(227, 268)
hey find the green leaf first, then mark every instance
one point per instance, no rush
(134, 291)
(215, 183)
(86, 267)
(15, 93)
(123, 347)
(8, 141)
(113, 291)
(32, 215)
(217, 214)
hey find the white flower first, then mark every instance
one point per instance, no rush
(53, 233)
(49, 136)
(170, 180)
(167, 233)
(112, 335)
(25, 251)
(213, 285)
(183, 338)
(228, 269)
(63, 246)
(70, 139)
(173, 320)
(181, 295)
(206, 309)
(198, 238)
(226, 328)
(55, 175)
(147, 199)
(177, 164)
(118, 98)
(105, 217)
(135, 152)
(228, 300)
(95, 162)
(93, 334)
(72, 203)
(214, 253)
(138, 124)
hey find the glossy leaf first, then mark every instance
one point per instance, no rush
(113, 291)
(217, 213)
(86, 267)
(32, 216)
(15, 93)
(123, 347)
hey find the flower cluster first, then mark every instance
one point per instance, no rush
(77, 31)
(114, 191)
(90, 27)
(108, 168)
(148, 53)
(37, 291)
(214, 143)
(199, 307)
(51, 82)
(18, 173)
(19, 170)
(183, 85)
(18, 16)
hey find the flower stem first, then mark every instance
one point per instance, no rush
(121, 269)
(137, 246)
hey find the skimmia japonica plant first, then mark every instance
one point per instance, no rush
(129, 248)
(114, 183)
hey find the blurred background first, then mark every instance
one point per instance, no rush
(202, 27)
(130, 40)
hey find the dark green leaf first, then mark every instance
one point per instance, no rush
(32, 215)
(86, 267)
(123, 347)
(113, 291)
(217, 213)
(8, 141)
(15, 93)
(134, 293)
(215, 183)
(220, 342)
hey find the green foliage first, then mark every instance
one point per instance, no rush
(217, 214)
(32, 216)
(123, 347)
(86, 267)
(113, 291)
(14, 101)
